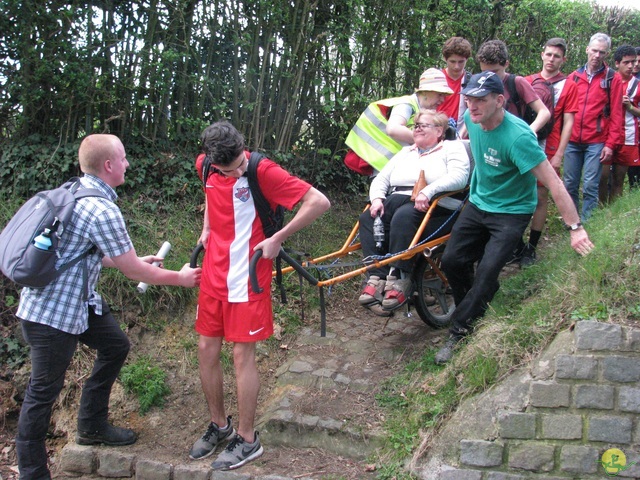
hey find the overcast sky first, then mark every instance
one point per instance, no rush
(635, 4)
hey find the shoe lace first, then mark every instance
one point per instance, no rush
(210, 431)
(235, 442)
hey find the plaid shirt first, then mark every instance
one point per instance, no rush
(62, 304)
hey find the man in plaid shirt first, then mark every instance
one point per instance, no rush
(68, 310)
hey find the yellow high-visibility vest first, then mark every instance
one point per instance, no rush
(369, 139)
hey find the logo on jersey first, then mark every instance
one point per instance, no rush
(243, 194)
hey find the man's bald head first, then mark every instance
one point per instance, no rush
(95, 149)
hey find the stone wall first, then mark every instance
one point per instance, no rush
(554, 421)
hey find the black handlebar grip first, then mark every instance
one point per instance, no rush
(193, 263)
(287, 258)
(252, 271)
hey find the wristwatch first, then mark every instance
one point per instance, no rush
(574, 226)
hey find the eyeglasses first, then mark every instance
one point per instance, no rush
(422, 126)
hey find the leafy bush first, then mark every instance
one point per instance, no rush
(324, 171)
(38, 163)
(12, 353)
(146, 381)
(35, 163)
(159, 172)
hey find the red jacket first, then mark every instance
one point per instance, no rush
(591, 125)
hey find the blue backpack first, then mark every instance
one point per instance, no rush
(48, 212)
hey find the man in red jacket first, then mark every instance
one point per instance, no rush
(591, 141)
(565, 101)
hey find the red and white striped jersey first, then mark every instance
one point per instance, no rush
(236, 229)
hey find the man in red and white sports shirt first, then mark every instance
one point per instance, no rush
(227, 306)
(624, 103)
(565, 101)
(634, 172)
(455, 52)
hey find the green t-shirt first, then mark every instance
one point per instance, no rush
(502, 181)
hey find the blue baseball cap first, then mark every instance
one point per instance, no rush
(482, 84)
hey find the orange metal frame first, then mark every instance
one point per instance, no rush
(349, 247)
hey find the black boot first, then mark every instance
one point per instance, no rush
(108, 435)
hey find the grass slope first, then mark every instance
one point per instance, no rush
(528, 311)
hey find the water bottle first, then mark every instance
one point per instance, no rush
(378, 232)
(43, 241)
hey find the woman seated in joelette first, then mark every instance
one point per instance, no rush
(446, 168)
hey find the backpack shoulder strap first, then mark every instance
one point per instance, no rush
(609, 77)
(270, 221)
(206, 169)
(89, 192)
(262, 205)
(465, 80)
(73, 185)
(514, 97)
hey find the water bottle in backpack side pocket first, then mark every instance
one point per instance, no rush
(43, 241)
(378, 232)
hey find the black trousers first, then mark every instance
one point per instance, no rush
(486, 238)
(401, 221)
(51, 354)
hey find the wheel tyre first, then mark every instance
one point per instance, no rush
(429, 284)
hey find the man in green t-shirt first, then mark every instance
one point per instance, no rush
(502, 199)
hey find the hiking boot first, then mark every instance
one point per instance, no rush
(237, 453)
(445, 354)
(108, 435)
(528, 256)
(213, 437)
(372, 292)
(396, 292)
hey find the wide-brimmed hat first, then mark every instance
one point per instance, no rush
(433, 80)
(482, 84)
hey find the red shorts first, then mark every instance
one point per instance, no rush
(236, 322)
(626, 155)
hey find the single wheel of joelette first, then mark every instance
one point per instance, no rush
(433, 299)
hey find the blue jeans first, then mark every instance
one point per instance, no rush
(51, 354)
(486, 238)
(583, 159)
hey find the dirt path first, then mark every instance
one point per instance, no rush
(317, 413)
